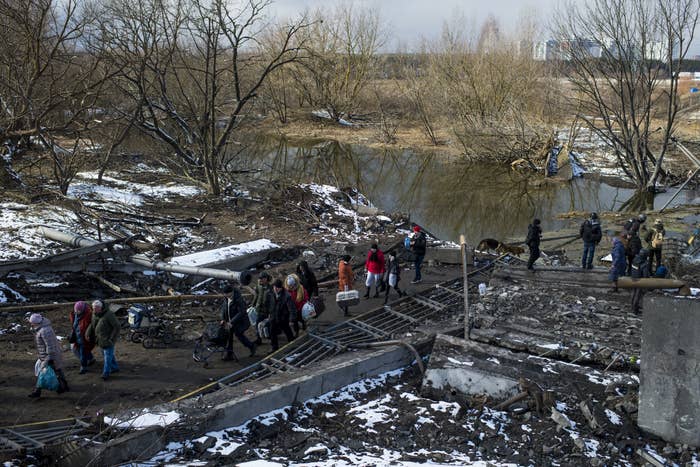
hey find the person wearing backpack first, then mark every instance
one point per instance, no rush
(591, 233)
(48, 350)
(655, 239)
(234, 318)
(419, 244)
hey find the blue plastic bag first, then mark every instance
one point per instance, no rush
(407, 243)
(47, 379)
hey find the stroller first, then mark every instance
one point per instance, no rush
(146, 328)
(212, 341)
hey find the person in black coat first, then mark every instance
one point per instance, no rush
(234, 318)
(640, 269)
(393, 276)
(534, 235)
(591, 234)
(282, 310)
(307, 278)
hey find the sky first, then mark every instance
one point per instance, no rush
(409, 21)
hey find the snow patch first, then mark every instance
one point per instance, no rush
(144, 419)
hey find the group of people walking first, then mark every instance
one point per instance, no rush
(280, 306)
(91, 326)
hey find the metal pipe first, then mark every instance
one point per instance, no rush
(244, 277)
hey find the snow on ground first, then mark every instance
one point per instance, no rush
(222, 254)
(144, 419)
(126, 192)
(366, 414)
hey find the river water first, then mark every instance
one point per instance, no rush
(448, 198)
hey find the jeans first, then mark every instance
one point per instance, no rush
(418, 262)
(588, 255)
(84, 357)
(110, 364)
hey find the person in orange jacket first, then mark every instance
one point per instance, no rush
(345, 278)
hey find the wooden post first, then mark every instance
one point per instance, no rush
(463, 246)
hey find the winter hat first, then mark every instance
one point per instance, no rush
(536, 222)
(264, 275)
(375, 246)
(277, 283)
(346, 258)
(97, 305)
(291, 281)
(642, 217)
(416, 228)
(36, 318)
(80, 307)
(594, 215)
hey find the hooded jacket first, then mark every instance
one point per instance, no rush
(47, 345)
(104, 328)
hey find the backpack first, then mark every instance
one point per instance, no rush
(658, 239)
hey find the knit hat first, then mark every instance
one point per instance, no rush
(36, 318)
(97, 304)
(291, 281)
(80, 307)
(416, 228)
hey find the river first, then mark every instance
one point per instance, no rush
(449, 198)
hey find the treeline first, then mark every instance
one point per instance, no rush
(78, 78)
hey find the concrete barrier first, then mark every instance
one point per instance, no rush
(669, 397)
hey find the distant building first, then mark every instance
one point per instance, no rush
(553, 49)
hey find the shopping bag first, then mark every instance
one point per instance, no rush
(47, 379)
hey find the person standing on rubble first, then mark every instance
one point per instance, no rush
(633, 247)
(234, 318)
(104, 331)
(374, 266)
(80, 319)
(263, 303)
(655, 240)
(640, 269)
(307, 278)
(636, 225)
(282, 310)
(345, 278)
(534, 236)
(419, 245)
(591, 233)
(618, 261)
(49, 351)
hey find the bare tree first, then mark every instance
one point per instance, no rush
(191, 68)
(622, 58)
(341, 54)
(48, 84)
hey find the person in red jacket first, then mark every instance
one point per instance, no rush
(80, 319)
(375, 269)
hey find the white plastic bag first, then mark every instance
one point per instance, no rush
(37, 367)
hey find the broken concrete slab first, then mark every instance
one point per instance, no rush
(463, 367)
(669, 398)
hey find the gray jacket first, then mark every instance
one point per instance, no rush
(47, 345)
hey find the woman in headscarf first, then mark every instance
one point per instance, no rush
(299, 296)
(80, 319)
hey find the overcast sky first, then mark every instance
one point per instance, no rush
(408, 21)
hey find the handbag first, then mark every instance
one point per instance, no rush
(72, 339)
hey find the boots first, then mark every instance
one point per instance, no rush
(376, 292)
(228, 356)
(35, 394)
(62, 383)
(367, 293)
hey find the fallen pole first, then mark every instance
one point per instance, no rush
(244, 277)
(152, 299)
(467, 324)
